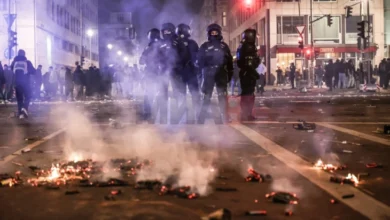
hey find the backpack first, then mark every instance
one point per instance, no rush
(20, 66)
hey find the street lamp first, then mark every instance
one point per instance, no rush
(109, 46)
(90, 34)
(119, 53)
(125, 59)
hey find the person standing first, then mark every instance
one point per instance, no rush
(9, 83)
(22, 69)
(61, 80)
(152, 72)
(261, 69)
(187, 50)
(79, 81)
(342, 70)
(292, 75)
(216, 64)
(53, 81)
(248, 61)
(69, 84)
(37, 83)
(351, 74)
(387, 75)
(279, 75)
(382, 73)
(329, 73)
(319, 75)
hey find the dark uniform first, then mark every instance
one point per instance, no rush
(168, 66)
(22, 69)
(216, 64)
(187, 50)
(329, 73)
(150, 57)
(248, 60)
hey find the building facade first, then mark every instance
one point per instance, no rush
(117, 45)
(276, 23)
(52, 32)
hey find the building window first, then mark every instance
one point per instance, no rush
(120, 18)
(3, 5)
(224, 19)
(286, 28)
(322, 33)
(53, 11)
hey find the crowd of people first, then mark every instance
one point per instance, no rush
(339, 74)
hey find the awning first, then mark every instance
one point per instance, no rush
(344, 48)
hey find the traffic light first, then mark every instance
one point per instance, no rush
(300, 43)
(82, 60)
(362, 29)
(308, 54)
(248, 3)
(349, 11)
(132, 32)
(330, 20)
(316, 54)
(12, 39)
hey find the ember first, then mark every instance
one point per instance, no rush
(349, 179)
(181, 192)
(256, 213)
(374, 165)
(328, 167)
(283, 197)
(254, 176)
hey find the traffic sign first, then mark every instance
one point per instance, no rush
(10, 18)
(300, 29)
(6, 54)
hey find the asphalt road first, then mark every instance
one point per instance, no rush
(270, 145)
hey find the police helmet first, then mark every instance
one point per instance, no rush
(154, 34)
(169, 27)
(249, 35)
(183, 30)
(214, 27)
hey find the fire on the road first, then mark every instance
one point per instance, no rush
(350, 178)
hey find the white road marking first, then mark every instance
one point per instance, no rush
(362, 203)
(31, 146)
(356, 133)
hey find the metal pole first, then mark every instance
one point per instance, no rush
(90, 50)
(311, 45)
(81, 30)
(368, 42)
(9, 31)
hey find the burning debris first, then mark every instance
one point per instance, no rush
(256, 213)
(374, 165)
(349, 179)
(221, 214)
(184, 192)
(256, 177)
(303, 125)
(282, 197)
(328, 167)
(148, 184)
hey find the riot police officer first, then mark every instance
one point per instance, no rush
(216, 64)
(187, 50)
(149, 58)
(248, 60)
(168, 61)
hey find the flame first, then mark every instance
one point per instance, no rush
(75, 157)
(54, 172)
(319, 163)
(353, 178)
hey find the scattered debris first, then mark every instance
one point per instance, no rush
(374, 165)
(304, 126)
(347, 151)
(349, 179)
(253, 176)
(256, 213)
(52, 186)
(26, 150)
(328, 167)
(109, 197)
(288, 213)
(348, 196)
(148, 184)
(34, 168)
(221, 214)
(181, 192)
(226, 189)
(72, 192)
(362, 174)
(18, 164)
(32, 139)
(283, 197)
(386, 129)
(116, 192)
(334, 201)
